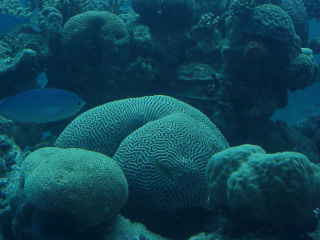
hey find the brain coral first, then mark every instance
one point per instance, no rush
(85, 187)
(172, 152)
(280, 190)
(158, 140)
(270, 22)
(102, 128)
(86, 34)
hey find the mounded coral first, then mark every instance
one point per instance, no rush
(270, 22)
(264, 42)
(278, 190)
(84, 187)
(302, 72)
(95, 36)
(219, 169)
(104, 127)
(94, 53)
(165, 159)
(152, 138)
(296, 10)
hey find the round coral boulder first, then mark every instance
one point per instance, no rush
(277, 190)
(85, 187)
(302, 72)
(93, 36)
(270, 22)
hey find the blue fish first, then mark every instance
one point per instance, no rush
(41, 106)
(9, 22)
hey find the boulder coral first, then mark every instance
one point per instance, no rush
(161, 143)
(278, 190)
(104, 127)
(296, 9)
(165, 159)
(84, 187)
(270, 22)
(94, 36)
(302, 72)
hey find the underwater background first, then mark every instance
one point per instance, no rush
(159, 119)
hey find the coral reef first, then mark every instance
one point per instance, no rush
(177, 14)
(277, 190)
(270, 22)
(197, 81)
(145, 130)
(106, 134)
(233, 63)
(302, 72)
(10, 154)
(83, 187)
(94, 32)
(51, 24)
(94, 48)
(12, 67)
(298, 13)
(163, 159)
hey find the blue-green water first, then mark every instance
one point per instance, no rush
(159, 119)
